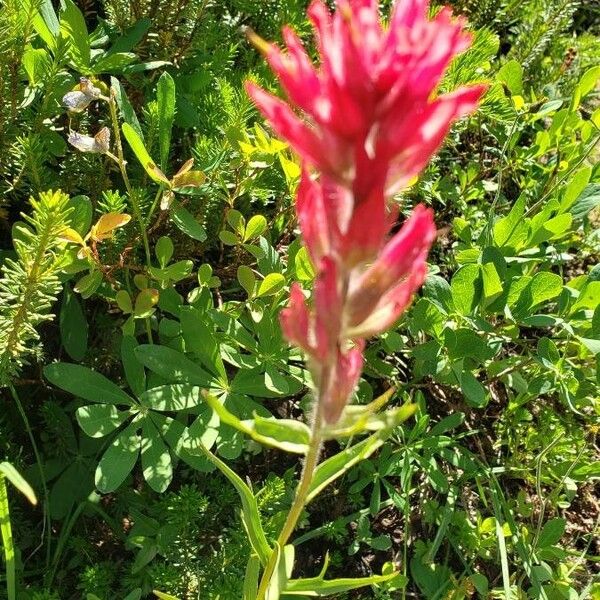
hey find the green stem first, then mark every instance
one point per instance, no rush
(154, 204)
(122, 166)
(7, 541)
(47, 524)
(308, 470)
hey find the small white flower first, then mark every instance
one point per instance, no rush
(99, 144)
(79, 99)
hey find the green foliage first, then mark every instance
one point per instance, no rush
(171, 415)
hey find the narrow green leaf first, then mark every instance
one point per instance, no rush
(334, 467)
(165, 98)
(156, 458)
(125, 108)
(85, 383)
(317, 586)
(250, 513)
(118, 460)
(251, 578)
(134, 369)
(73, 325)
(277, 576)
(137, 145)
(9, 471)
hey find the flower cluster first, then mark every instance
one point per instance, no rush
(365, 122)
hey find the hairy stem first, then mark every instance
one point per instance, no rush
(308, 471)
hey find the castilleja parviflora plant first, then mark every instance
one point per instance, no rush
(364, 121)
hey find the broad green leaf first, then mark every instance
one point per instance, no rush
(492, 286)
(511, 74)
(72, 24)
(98, 420)
(113, 63)
(545, 286)
(145, 302)
(438, 290)
(171, 365)
(551, 532)
(588, 200)
(132, 36)
(186, 222)
(512, 229)
(247, 279)
(85, 383)
(589, 297)
(575, 187)
(174, 397)
(9, 471)
(81, 216)
(88, 284)
(163, 596)
(164, 250)
(46, 23)
(118, 460)
(250, 513)
(303, 266)
(464, 342)
(473, 390)
(466, 288)
(165, 99)
(146, 66)
(37, 64)
(551, 229)
(588, 80)
(137, 145)
(156, 458)
(256, 226)
(73, 325)
(271, 284)
(255, 382)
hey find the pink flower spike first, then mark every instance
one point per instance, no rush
(344, 378)
(295, 319)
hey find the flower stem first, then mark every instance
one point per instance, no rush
(122, 166)
(308, 471)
